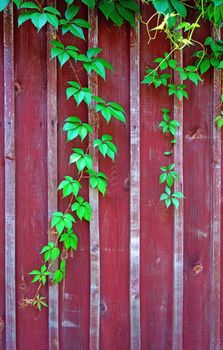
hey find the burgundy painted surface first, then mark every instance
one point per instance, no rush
(156, 221)
(156, 235)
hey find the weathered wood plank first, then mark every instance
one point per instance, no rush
(53, 316)
(215, 296)
(178, 230)
(9, 128)
(135, 186)
(94, 202)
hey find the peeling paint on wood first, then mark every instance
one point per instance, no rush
(9, 129)
(135, 187)
(53, 315)
(94, 202)
(178, 230)
(215, 295)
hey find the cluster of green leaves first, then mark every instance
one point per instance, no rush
(212, 10)
(212, 56)
(39, 16)
(90, 61)
(170, 197)
(167, 64)
(170, 6)
(74, 128)
(106, 146)
(169, 176)
(118, 11)
(169, 125)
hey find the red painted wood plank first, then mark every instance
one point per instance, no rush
(198, 119)
(114, 206)
(156, 220)
(31, 179)
(53, 316)
(74, 292)
(215, 275)
(9, 127)
(135, 187)
(94, 202)
(178, 230)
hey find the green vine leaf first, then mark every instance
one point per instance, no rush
(69, 186)
(167, 125)
(75, 128)
(63, 53)
(169, 175)
(40, 275)
(81, 159)
(105, 146)
(98, 180)
(60, 274)
(93, 63)
(69, 239)
(62, 221)
(171, 198)
(73, 25)
(82, 209)
(4, 4)
(109, 109)
(51, 252)
(78, 93)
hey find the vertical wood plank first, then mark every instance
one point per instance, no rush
(94, 202)
(215, 296)
(53, 316)
(135, 186)
(9, 128)
(178, 230)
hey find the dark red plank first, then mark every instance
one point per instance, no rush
(74, 293)
(156, 220)
(198, 121)
(114, 207)
(31, 179)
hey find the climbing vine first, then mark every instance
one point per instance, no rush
(171, 19)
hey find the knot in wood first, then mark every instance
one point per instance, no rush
(198, 268)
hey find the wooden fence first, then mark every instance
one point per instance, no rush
(144, 277)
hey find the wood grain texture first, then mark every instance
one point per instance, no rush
(135, 187)
(94, 201)
(198, 121)
(156, 221)
(114, 206)
(215, 273)
(53, 315)
(178, 229)
(9, 127)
